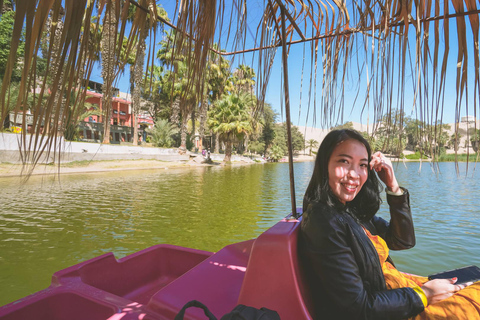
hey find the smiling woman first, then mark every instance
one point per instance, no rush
(344, 247)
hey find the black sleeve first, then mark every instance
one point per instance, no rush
(399, 233)
(327, 250)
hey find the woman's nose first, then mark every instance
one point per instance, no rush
(353, 173)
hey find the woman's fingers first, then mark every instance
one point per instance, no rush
(439, 289)
(383, 166)
(459, 287)
(378, 161)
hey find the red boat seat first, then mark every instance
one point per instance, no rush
(215, 282)
(273, 278)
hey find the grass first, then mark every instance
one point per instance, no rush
(415, 156)
(446, 157)
(459, 158)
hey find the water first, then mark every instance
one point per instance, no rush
(46, 226)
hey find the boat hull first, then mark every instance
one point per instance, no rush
(156, 282)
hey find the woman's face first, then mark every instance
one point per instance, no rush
(348, 169)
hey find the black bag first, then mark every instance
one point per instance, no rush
(243, 312)
(240, 312)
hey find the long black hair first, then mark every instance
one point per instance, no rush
(367, 201)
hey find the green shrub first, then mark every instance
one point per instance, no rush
(162, 133)
(416, 156)
(459, 158)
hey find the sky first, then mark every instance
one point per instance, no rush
(302, 113)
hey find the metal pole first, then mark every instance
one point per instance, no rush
(287, 113)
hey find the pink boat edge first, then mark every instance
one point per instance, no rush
(155, 283)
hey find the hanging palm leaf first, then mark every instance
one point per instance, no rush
(390, 50)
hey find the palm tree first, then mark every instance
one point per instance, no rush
(182, 100)
(150, 21)
(243, 79)
(162, 133)
(108, 46)
(231, 119)
(76, 115)
(311, 144)
(218, 81)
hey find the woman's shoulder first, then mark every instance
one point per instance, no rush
(322, 215)
(322, 224)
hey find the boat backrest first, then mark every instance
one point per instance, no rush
(273, 278)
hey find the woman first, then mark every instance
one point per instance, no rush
(344, 247)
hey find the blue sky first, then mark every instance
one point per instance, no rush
(300, 102)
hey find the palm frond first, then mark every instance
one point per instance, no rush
(396, 49)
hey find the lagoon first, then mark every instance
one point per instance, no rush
(48, 225)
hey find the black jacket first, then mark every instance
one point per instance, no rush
(342, 266)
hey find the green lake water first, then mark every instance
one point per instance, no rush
(46, 225)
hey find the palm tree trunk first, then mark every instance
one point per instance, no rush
(174, 118)
(132, 86)
(108, 65)
(137, 74)
(55, 70)
(203, 119)
(183, 136)
(192, 137)
(228, 151)
(217, 143)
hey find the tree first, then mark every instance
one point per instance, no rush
(230, 118)
(279, 141)
(183, 100)
(454, 141)
(109, 62)
(346, 125)
(7, 20)
(219, 82)
(475, 140)
(268, 130)
(75, 115)
(276, 153)
(162, 133)
(136, 75)
(243, 79)
(390, 137)
(311, 144)
(256, 146)
(298, 141)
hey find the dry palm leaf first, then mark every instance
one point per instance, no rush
(386, 45)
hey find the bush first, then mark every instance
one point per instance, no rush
(416, 156)
(162, 133)
(460, 158)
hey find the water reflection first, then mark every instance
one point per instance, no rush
(46, 226)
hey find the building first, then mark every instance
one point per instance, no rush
(91, 128)
(121, 129)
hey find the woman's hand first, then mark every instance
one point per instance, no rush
(384, 169)
(439, 289)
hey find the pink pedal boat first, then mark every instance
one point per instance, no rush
(154, 284)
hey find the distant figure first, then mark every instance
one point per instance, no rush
(204, 152)
(208, 154)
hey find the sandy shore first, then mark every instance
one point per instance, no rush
(7, 169)
(15, 170)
